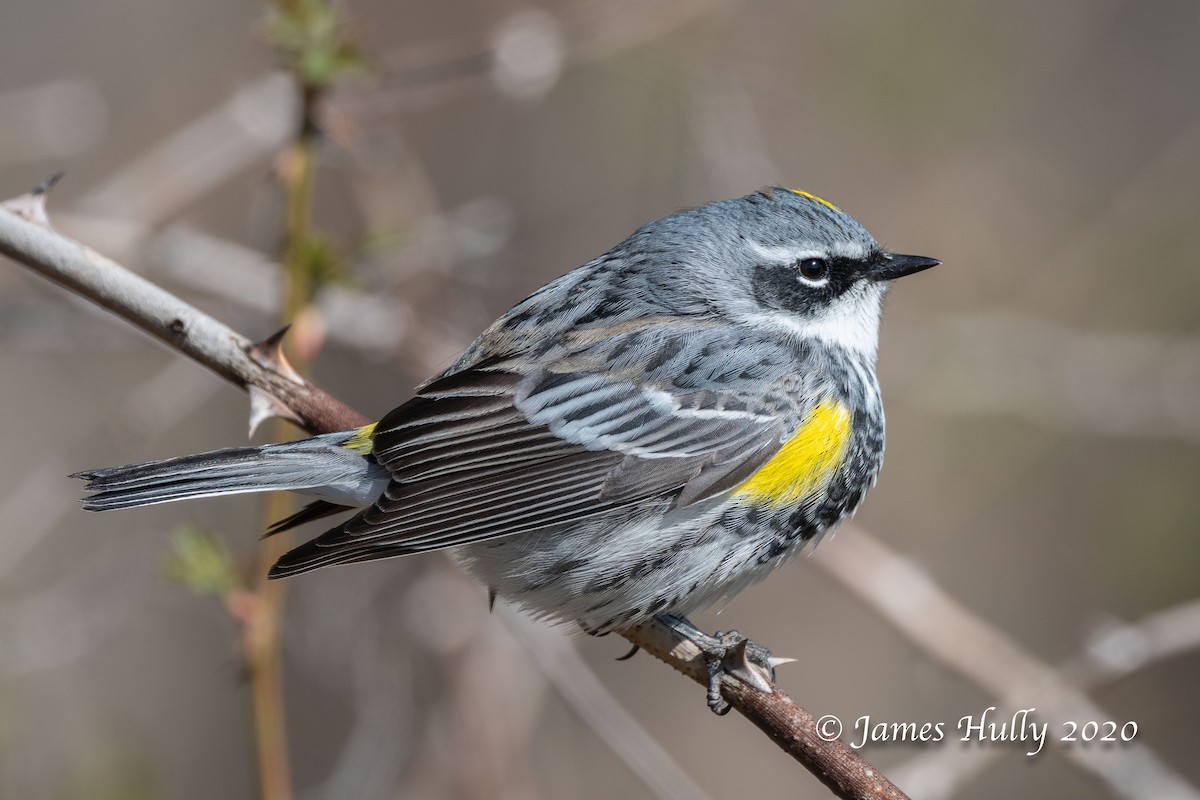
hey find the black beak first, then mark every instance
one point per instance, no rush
(889, 266)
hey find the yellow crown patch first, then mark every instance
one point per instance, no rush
(816, 199)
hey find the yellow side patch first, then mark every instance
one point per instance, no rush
(360, 441)
(806, 461)
(816, 199)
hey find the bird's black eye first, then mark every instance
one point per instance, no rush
(813, 269)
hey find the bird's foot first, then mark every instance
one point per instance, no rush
(728, 653)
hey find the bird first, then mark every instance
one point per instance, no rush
(641, 438)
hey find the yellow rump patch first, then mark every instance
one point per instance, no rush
(805, 462)
(816, 199)
(360, 440)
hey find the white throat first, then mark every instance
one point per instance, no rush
(851, 322)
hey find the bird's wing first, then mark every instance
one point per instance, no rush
(488, 451)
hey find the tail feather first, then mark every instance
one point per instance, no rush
(321, 465)
(317, 509)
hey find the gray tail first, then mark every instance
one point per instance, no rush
(293, 466)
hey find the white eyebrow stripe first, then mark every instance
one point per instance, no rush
(855, 251)
(784, 254)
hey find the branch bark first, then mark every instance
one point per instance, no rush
(26, 237)
(182, 327)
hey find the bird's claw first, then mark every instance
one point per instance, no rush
(729, 653)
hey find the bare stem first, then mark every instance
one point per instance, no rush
(264, 653)
(794, 730)
(180, 326)
(264, 639)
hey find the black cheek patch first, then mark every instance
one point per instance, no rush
(780, 288)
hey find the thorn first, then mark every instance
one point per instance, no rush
(491, 599)
(264, 406)
(774, 661)
(269, 354)
(31, 206)
(45, 186)
(630, 654)
(738, 664)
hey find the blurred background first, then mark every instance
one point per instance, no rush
(1043, 386)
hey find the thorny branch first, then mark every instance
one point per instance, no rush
(26, 237)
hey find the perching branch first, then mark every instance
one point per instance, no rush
(997, 663)
(25, 236)
(834, 763)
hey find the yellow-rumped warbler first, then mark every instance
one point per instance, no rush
(648, 434)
